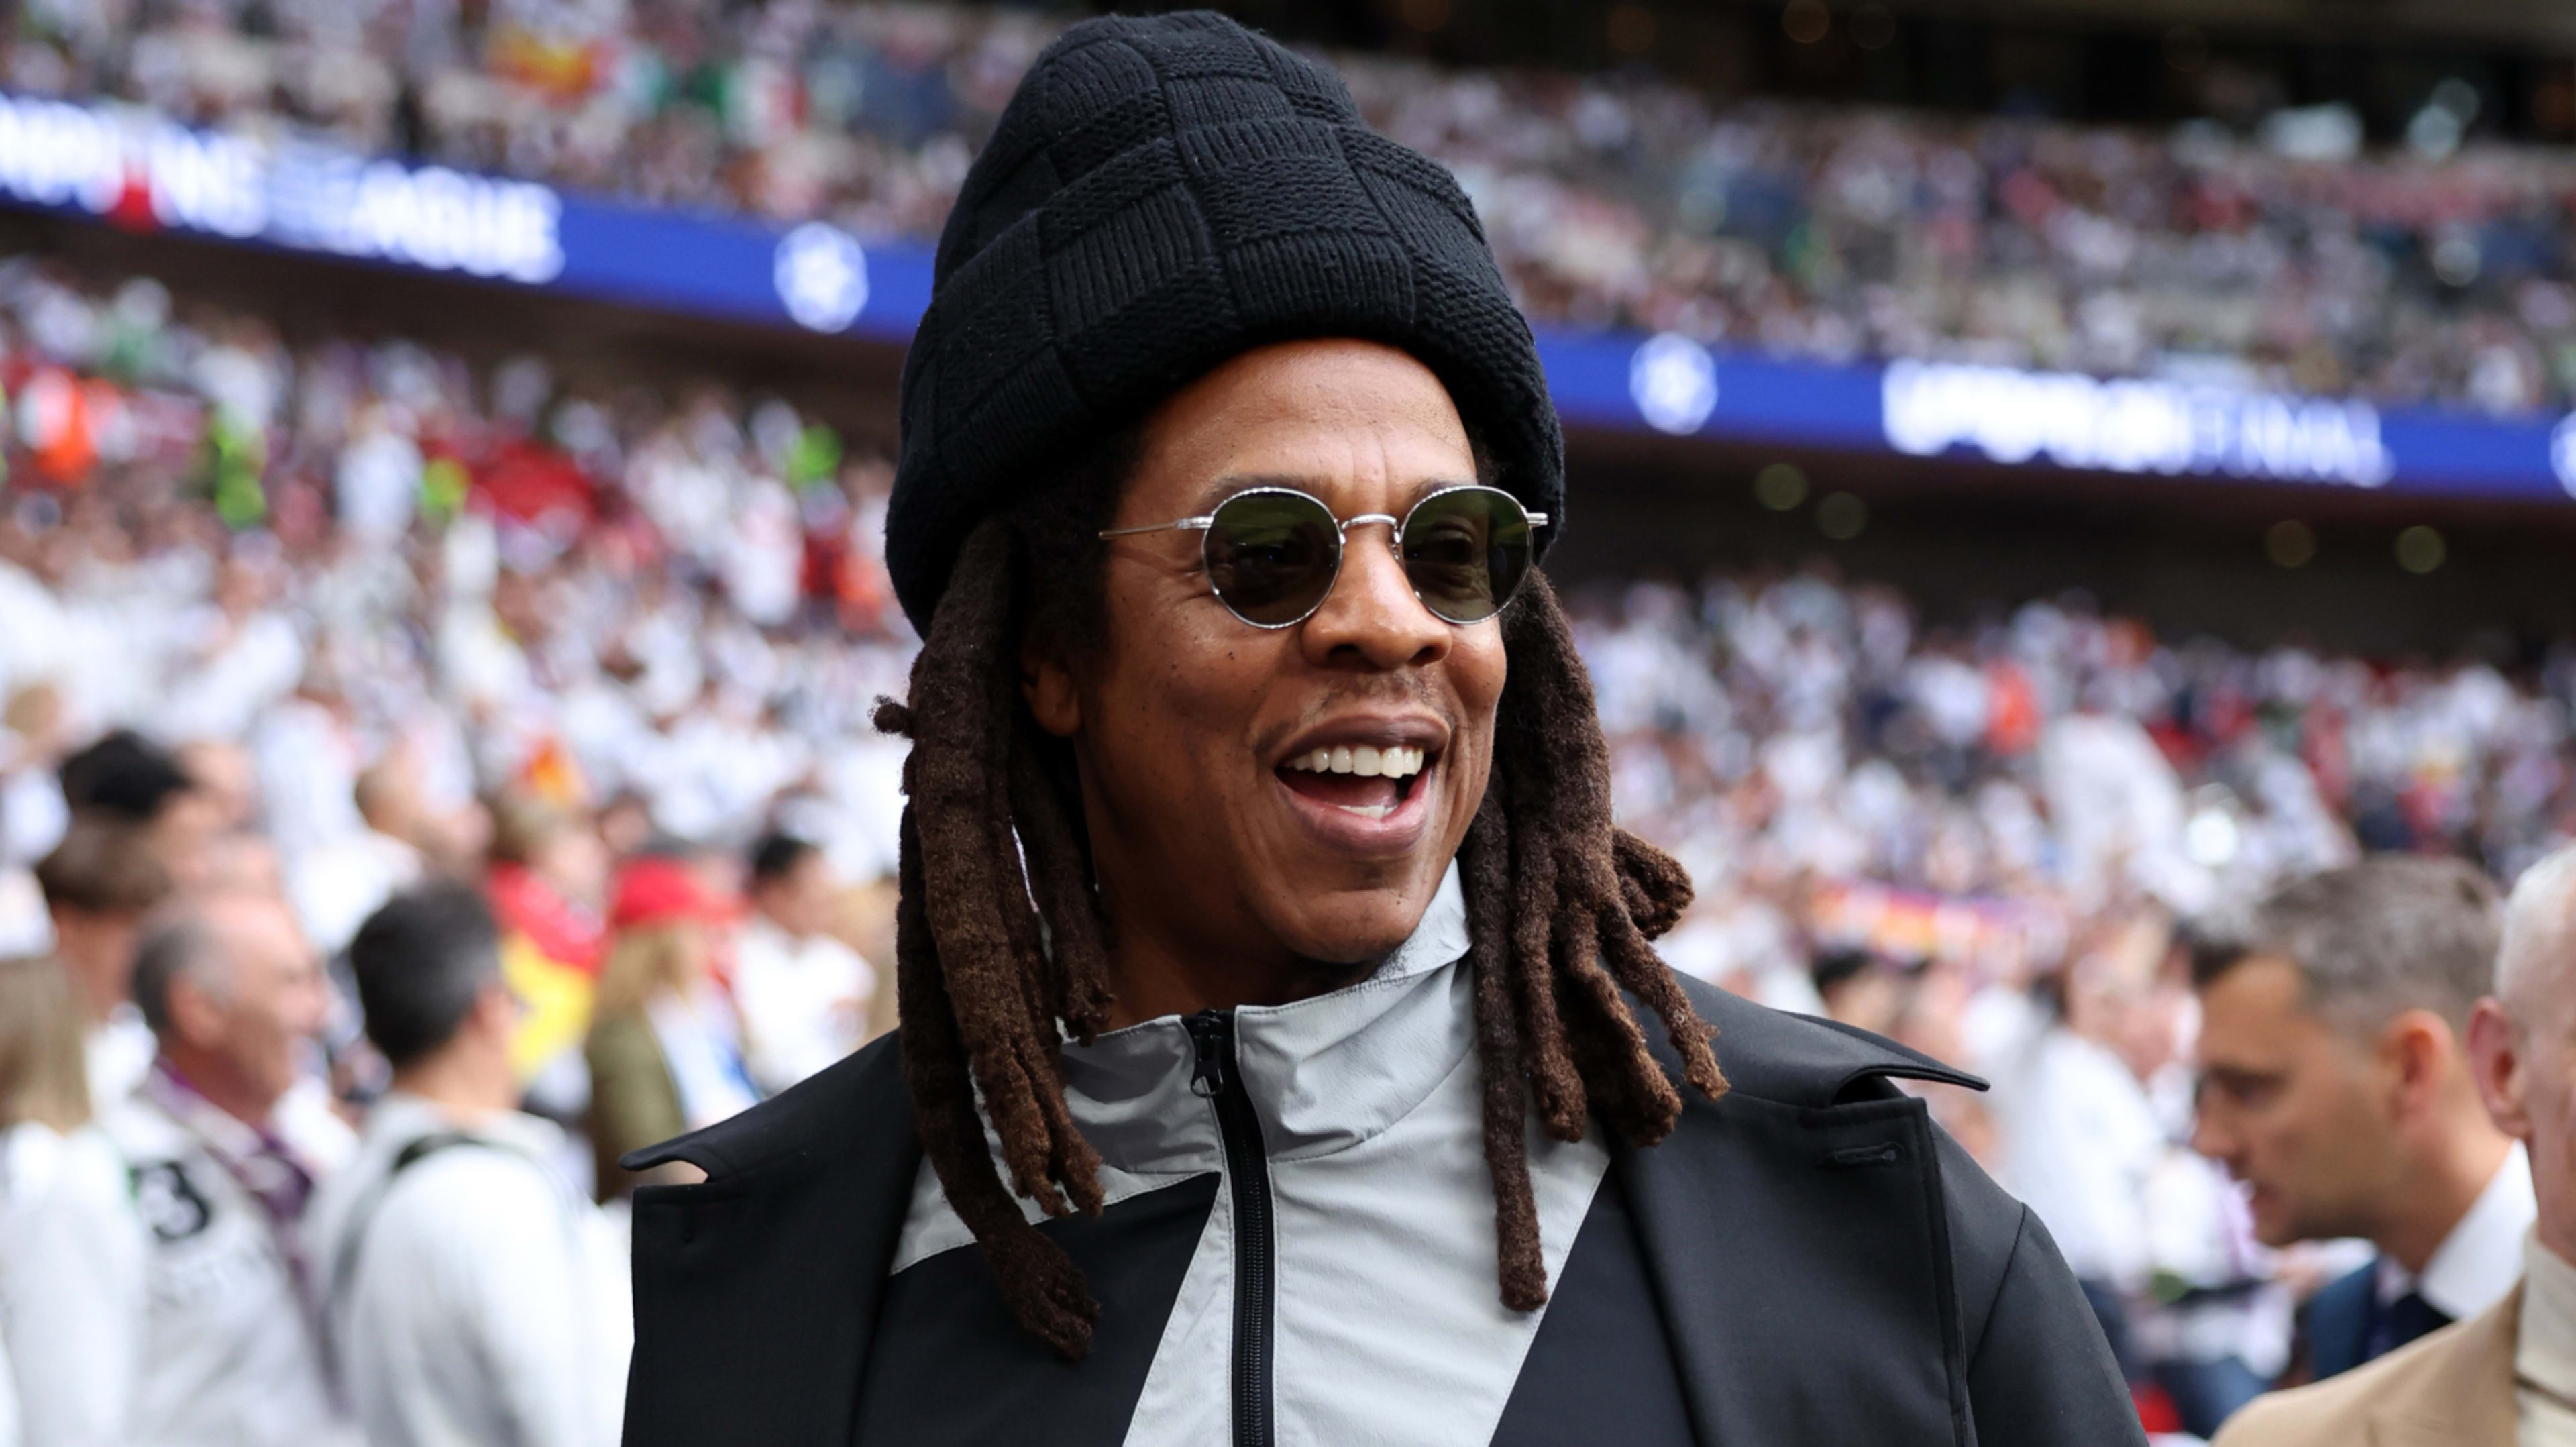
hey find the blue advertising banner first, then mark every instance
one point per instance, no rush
(136, 169)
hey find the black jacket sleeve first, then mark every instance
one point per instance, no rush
(2039, 1372)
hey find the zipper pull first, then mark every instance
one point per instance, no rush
(1208, 1031)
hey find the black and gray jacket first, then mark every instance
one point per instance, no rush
(1298, 1248)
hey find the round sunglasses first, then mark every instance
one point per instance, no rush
(1273, 553)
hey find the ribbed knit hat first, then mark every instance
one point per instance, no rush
(1160, 195)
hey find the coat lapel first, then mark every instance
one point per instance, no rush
(2467, 1400)
(739, 1339)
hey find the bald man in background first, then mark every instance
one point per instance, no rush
(2506, 1377)
(225, 1141)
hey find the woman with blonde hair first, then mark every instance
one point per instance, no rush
(71, 1246)
(665, 1047)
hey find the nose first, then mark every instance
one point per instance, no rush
(2208, 1139)
(1371, 619)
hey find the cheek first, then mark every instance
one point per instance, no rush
(2551, 1098)
(1478, 668)
(1175, 702)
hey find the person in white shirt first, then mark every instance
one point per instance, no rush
(2505, 1377)
(99, 883)
(2336, 1085)
(470, 1294)
(69, 1249)
(802, 992)
(224, 1146)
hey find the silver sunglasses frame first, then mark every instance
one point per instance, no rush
(1342, 543)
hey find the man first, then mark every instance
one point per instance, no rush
(469, 1292)
(127, 779)
(99, 883)
(2336, 1083)
(1303, 1005)
(224, 1144)
(803, 994)
(2507, 1376)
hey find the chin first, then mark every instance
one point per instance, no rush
(1356, 926)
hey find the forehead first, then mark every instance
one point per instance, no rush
(2259, 1006)
(1315, 414)
(254, 929)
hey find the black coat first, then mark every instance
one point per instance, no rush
(1832, 1268)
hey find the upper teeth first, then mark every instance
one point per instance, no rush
(1394, 762)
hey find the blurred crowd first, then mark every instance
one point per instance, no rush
(388, 742)
(2286, 258)
(1792, 736)
(2015, 846)
(289, 631)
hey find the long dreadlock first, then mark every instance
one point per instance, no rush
(1561, 904)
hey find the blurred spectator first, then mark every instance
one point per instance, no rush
(33, 734)
(2336, 1085)
(2080, 1136)
(470, 1294)
(224, 1143)
(665, 1049)
(545, 881)
(1859, 990)
(802, 991)
(68, 1250)
(99, 883)
(126, 778)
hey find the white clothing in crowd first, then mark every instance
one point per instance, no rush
(803, 1001)
(2080, 1143)
(469, 1293)
(73, 1258)
(118, 1054)
(227, 1355)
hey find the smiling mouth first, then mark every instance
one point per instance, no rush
(1363, 780)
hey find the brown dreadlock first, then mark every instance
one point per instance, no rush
(1561, 904)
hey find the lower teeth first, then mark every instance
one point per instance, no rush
(1367, 811)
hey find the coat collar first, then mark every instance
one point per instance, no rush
(1323, 1073)
(1816, 1194)
(2467, 1394)
(742, 1336)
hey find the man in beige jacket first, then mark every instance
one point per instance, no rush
(2506, 1377)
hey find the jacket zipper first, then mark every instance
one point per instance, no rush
(1247, 1167)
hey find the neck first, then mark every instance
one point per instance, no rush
(88, 959)
(460, 1080)
(213, 1077)
(2449, 1179)
(1151, 976)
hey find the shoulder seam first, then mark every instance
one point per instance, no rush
(1986, 1318)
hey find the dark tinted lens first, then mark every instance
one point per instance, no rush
(1271, 556)
(1466, 552)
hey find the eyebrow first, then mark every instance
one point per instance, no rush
(1216, 492)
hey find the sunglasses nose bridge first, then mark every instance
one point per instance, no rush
(1394, 527)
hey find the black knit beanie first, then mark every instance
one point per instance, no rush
(1160, 195)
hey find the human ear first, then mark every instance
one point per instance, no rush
(1046, 685)
(2416, 1046)
(2497, 1063)
(496, 1009)
(195, 1016)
